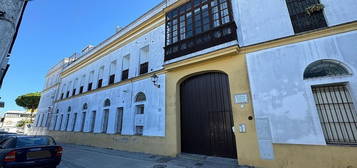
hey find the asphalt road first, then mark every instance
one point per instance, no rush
(75, 156)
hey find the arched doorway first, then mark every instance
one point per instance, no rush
(206, 116)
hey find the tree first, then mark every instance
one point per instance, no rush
(29, 101)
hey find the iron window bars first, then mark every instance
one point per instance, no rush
(303, 21)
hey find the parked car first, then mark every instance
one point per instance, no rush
(29, 152)
(6, 135)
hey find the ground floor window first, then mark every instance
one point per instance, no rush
(74, 122)
(139, 130)
(60, 123)
(67, 122)
(337, 113)
(105, 121)
(83, 121)
(119, 123)
(94, 113)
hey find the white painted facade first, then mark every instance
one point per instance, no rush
(283, 101)
(261, 21)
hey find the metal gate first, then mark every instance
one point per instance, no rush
(206, 116)
(337, 113)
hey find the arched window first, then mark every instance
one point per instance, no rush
(325, 68)
(69, 109)
(140, 97)
(107, 103)
(85, 106)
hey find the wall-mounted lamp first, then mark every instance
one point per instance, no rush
(154, 79)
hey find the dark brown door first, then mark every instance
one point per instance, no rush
(206, 116)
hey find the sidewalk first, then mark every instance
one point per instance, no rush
(76, 156)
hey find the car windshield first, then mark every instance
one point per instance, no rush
(33, 141)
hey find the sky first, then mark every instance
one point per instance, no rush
(54, 29)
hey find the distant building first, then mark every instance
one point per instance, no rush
(12, 118)
(11, 12)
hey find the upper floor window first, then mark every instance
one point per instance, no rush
(113, 66)
(100, 77)
(125, 67)
(197, 25)
(325, 68)
(144, 60)
(90, 81)
(306, 15)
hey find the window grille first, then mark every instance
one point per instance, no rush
(337, 113)
(301, 20)
(140, 97)
(325, 68)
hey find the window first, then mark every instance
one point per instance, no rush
(74, 92)
(337, 113)
(119, 120)
(105, 121)
(67, 94)
(85, 106)
(140, 109)
(100, 77)
(62, 96)
(144, 60)
(334, 103)
(112, 72)
(74, 87)
(107, 103)
(83, 121)
(197, 25)
(74, 122)
(60, 123)
(140, 97)
(325, 68)
(139, 130)
(94, 113)
(81, 90)
(67, 122)
(301, 20)
(90, 81)
(125, 67)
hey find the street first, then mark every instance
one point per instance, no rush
(76, 156)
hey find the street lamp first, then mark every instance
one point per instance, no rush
(154, 79)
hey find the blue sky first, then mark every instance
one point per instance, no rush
(52, 30)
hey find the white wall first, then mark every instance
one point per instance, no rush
(154, 39)
(121, 96)
(282, 96)
(259, 21)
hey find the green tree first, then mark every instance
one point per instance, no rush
(29, 102)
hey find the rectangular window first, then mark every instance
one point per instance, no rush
(83, 121)
(60, 123)
(62, 94)
(100, 83)
(111, 79)
(81, 90)
(125, 75)
(301, 19)
(67, 94)
(140, 109)
(337, 113)
(105, 121)
(139, 130)
(90, 85)
(74, 92)
(55, 124)
(74, 122)
(119, 122)
(197, 25)
(94, 113)
(144, 68)
(67, 122)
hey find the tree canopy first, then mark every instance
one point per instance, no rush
(29, 101)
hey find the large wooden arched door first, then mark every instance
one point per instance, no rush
(206, 116)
